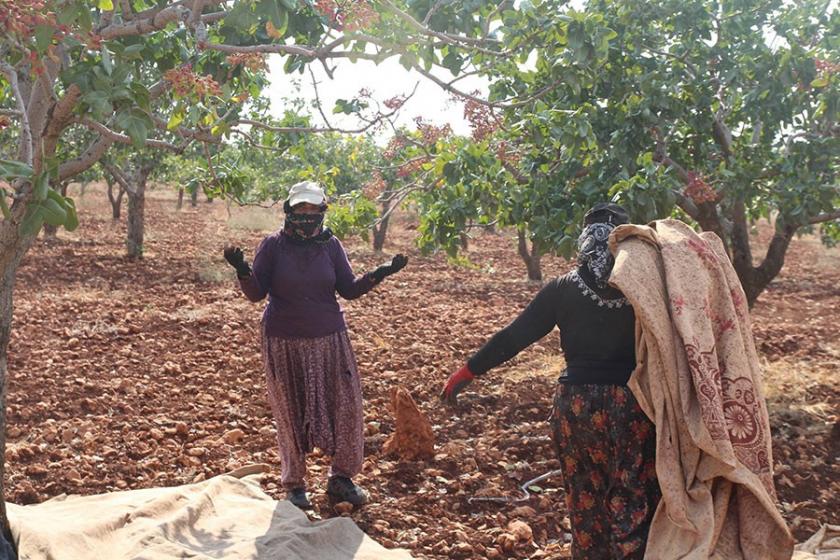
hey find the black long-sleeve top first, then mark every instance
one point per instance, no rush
(597, 333)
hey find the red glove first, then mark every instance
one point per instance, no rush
(457, 381)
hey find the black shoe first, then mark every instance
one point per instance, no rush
(299, 498)
(342, 489)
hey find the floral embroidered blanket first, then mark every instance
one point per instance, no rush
(698, 379)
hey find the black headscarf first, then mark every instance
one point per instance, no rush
(593, 250)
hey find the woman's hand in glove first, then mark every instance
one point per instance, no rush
(457, 381)
(397, 263)
(236, 259)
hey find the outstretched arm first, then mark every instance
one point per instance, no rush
(347, 284)
(536, 321)
(255, 285)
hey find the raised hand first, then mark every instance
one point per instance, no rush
(236, 259)
(397, 263)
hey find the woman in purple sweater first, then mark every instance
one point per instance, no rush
(313, 384)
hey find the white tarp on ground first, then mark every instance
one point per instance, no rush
(224, 517)
(824, 545)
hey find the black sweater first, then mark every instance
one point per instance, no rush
(597, 331)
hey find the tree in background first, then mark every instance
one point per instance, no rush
(724, 112)
(126, 71)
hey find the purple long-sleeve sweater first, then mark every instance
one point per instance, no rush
(301, 281)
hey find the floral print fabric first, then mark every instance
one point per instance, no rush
(699, 379)
(606, 446)
(316, 397)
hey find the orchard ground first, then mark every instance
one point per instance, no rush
(130, 374)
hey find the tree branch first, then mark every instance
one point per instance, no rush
(125, 9)
(826, 217)
(446, 37)
(27, 147)
(124, 139)
(296, 50)
(494, 104)
(183, 132)
(62, 111)
(91, 155)
(118, 175)
(142, 25)
(254, 143)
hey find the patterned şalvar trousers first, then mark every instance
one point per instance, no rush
(607, 448)
(316, 399)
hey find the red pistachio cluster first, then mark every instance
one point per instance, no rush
(481, 118)
(411, 167)
(506, 153)
(252, 61)
(432, 133)
(698, 189)
(375, 186)
(185, 82)
(394, 146)
(395, 102)
(826, 66)
(348, 15)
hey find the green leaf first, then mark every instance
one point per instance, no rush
(99, 103)
(819, 82)
(133, 51)
(40, 187)
(135, 125)
(68, 14)
(575, 35)
(43, 37)
(106, 60)
(176, 119)
(106, 5)
(11, 169)
(72, 221)
(290, 5)
(32, 220)
(54, 213)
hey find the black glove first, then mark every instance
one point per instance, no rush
(234, 256)
(397, 264)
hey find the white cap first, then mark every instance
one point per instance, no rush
(306, 191)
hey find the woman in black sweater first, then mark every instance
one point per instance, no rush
(604, 441)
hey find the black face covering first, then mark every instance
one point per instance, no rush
(303, 226)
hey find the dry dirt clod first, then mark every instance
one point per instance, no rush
(413, 437)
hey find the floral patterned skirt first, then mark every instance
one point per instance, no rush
(316, 397)
(606, 446)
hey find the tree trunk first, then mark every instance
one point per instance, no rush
(532, 258)
(136, 215)
(6, 288)
(116, 200)
(194, 196)
(465, 241)
(180, 198)
(12, 250)
(380, 231)
(50, 232)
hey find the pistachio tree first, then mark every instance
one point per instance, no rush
(166, 74)
(723, 112)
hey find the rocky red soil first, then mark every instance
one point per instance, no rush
(129, 374)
